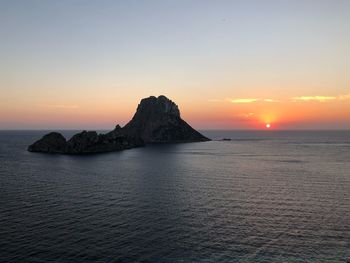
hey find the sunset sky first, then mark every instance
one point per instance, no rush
(227, 64)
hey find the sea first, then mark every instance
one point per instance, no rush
(263, 196)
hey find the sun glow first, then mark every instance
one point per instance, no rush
(268, 125)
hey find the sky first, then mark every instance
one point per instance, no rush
(227, 64)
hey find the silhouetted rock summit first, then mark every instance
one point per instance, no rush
(157, 120)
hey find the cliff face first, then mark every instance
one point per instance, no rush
(157, 120)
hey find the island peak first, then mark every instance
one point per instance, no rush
(157, 120)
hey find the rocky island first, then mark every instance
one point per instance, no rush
(157, 120)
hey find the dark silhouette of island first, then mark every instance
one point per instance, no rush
(157, 120)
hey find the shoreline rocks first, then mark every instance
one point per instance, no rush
(53, 142)
(85, 142)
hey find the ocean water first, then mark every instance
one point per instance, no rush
(265, 196)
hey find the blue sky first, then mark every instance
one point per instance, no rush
(52, 52)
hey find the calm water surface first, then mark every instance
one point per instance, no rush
(262, 197)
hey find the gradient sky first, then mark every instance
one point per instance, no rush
(227, 64)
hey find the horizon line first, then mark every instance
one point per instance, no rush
(267, 130)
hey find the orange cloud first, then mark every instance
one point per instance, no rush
(251, 100)
(314, 98)
(344, 97)
(243, 100)
(321, 98)
(271, 100)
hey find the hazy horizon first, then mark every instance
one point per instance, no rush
(227, 64)
(200, 130)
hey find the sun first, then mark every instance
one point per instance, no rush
(268, 125)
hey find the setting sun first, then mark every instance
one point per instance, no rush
(268, 125)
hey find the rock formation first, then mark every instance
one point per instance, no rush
(157, 120)
(86, 142)
(53, 142)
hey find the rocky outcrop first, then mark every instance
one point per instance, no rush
(53, 142)
(157, 120)
(86, 142)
